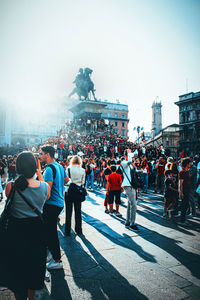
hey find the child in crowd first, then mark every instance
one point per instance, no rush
(170, 194)
(114, 187)
(107, 172)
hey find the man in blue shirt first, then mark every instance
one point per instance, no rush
(56, 177)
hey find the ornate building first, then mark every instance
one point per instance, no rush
(189, 120)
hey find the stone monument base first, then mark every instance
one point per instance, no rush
(88, 109)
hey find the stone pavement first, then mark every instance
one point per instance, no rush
(162, 261)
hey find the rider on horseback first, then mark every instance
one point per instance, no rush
(84, 84)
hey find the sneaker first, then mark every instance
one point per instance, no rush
(177, 215)
(107, 211)
(190, 215)
(127, 224)
(53, 265)
(164, 215)
(134, 228)
(118, 214)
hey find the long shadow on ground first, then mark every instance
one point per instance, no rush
(116, 238)
(151, 215)
(188, 259)
(93, 274)
(59, 286)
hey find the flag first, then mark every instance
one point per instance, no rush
(182, 153)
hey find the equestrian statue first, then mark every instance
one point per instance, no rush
(84, 85)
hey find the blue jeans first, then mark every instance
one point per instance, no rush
(90, 179)
(146, 180)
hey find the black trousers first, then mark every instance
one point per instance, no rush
(50, 215)
(70, 203)
(114, 195)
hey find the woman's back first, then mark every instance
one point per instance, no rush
(77, 174)
(35, 195)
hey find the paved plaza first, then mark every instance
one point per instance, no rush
(160, 262)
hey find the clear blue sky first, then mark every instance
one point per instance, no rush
(138, 50)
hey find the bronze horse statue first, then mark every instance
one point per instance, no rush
(84, 85)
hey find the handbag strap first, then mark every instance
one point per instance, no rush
(127, 176)
(31, 205)
(69, 173)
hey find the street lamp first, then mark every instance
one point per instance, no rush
(138, 128)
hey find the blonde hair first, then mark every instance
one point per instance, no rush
(76, 160)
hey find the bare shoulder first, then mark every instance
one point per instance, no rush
(8, 188)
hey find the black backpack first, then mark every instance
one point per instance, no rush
(136, 179)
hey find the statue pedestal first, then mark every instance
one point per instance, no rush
(88, 109)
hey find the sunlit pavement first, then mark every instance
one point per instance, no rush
(112, 262)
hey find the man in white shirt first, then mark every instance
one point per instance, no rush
(129, 191)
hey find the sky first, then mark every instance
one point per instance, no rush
(139, 50)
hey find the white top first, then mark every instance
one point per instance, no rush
(77, 174)
(126, 173)
(92, 166)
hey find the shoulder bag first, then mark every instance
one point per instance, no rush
(136, 179)
(76, 192)
(5, 215)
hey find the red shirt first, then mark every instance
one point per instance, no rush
(186, 181)
(115, 182)
(161, 168)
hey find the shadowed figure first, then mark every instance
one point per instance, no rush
(84, 85)
(92, 273)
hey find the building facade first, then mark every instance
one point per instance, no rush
(189, 120)
(22, 124)
(5, 123)
(117, 115)
(168, 138)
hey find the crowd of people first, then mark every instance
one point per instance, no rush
(46, 178)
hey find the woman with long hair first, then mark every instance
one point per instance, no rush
(77, 175)
(23, 252)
